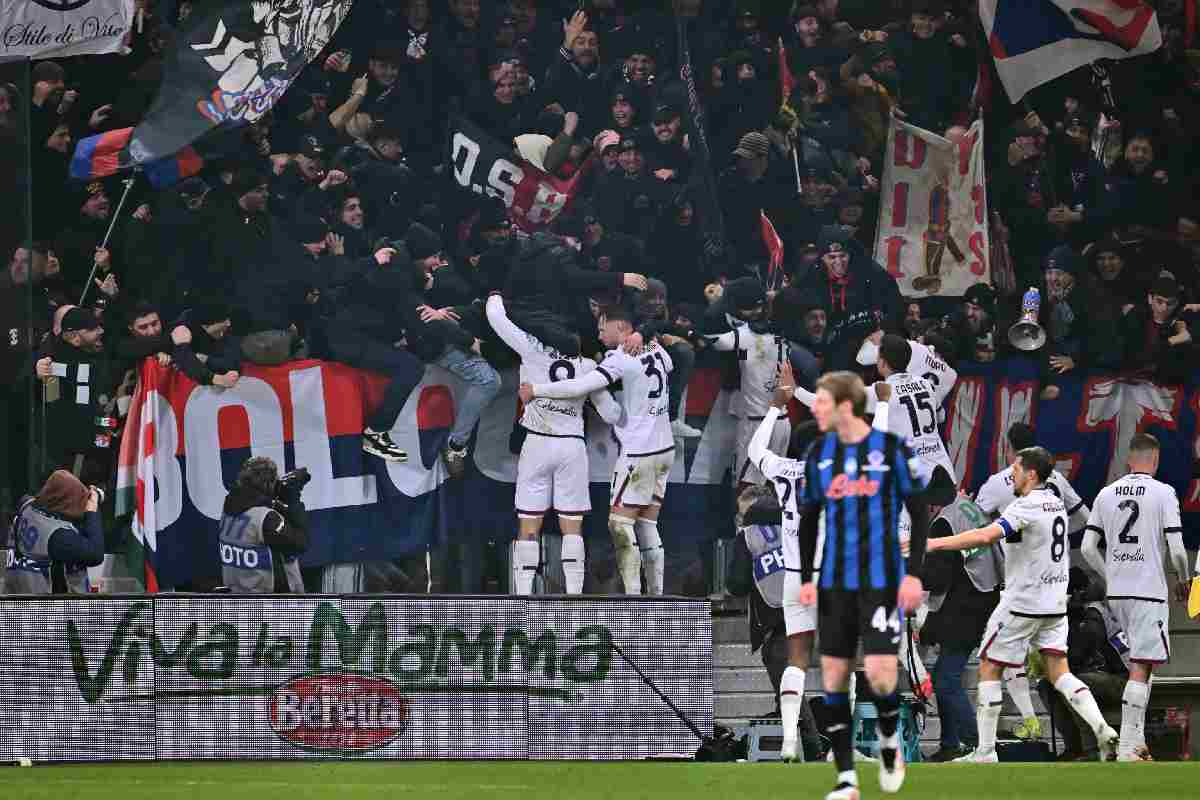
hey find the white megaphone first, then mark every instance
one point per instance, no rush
(1027, 334)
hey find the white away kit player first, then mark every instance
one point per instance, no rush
(761, 353)
(787, 476)
(552, 471)
(993, 498)
(639, 481)
(1135, 519)
(924, 361)
(913, 417)
(1033, 605)
(996, 494)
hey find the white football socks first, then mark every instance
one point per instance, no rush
(629, 558)
(1017, 683)
(525, 558)
(650, 543)
(989, 696)
(1133, 716)
(791, 698)
(573, 555)
(1080, 697)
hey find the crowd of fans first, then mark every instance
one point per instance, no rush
(333, 231)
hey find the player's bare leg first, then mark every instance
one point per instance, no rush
(526, 553)
(622, 525)
(1133, 713)
(573, 552)
(835, 675)
(791, 691)
(882, 673)
(1082, 702)
(650, 546)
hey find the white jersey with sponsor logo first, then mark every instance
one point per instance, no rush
(646, 426)
(996, 494)
(543, 364)
(1134, 514)
(760, 355)
(912, 415)
(929, 365)
(1037, 554)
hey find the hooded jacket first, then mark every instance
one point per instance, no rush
(853, 302)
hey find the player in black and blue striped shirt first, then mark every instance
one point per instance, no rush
(860, 478)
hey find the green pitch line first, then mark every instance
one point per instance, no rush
(476, 780)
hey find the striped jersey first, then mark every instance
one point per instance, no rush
(861, 488)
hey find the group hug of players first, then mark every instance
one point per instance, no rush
(856, 500)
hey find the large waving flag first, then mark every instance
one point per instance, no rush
(230, 63)
(136, 486)
(1036, 41)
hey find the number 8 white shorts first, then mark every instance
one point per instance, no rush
(797, 618)
(552, 475)
(1010, 634)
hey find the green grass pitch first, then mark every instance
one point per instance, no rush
(474, 780)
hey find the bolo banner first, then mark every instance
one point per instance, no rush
(933, 219)
(203, 677)
(183, 445)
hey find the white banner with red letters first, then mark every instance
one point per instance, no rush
(933, 232)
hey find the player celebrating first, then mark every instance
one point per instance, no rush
(761, 353)
(996, 494)
(1133, 517)
(925, 361)
(639, 480)
(913, 417)
(860, 478)
(552, 471)
(787, 476)
(1033, 604)
(993, 498)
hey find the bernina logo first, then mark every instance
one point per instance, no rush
(338, 712)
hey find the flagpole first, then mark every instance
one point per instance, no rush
(796, 165)
(108, 234)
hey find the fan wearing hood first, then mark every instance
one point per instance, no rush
(58, 527)
(854, 290)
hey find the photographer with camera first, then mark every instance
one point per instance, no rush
(264, 530)
(55, 536)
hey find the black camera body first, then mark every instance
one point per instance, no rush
(295, 481)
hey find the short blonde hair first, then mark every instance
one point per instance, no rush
(845, 387)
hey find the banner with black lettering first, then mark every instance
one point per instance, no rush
(933, 230)
(60, 28)
(484, 166)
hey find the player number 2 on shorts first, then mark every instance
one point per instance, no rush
(882, 621)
